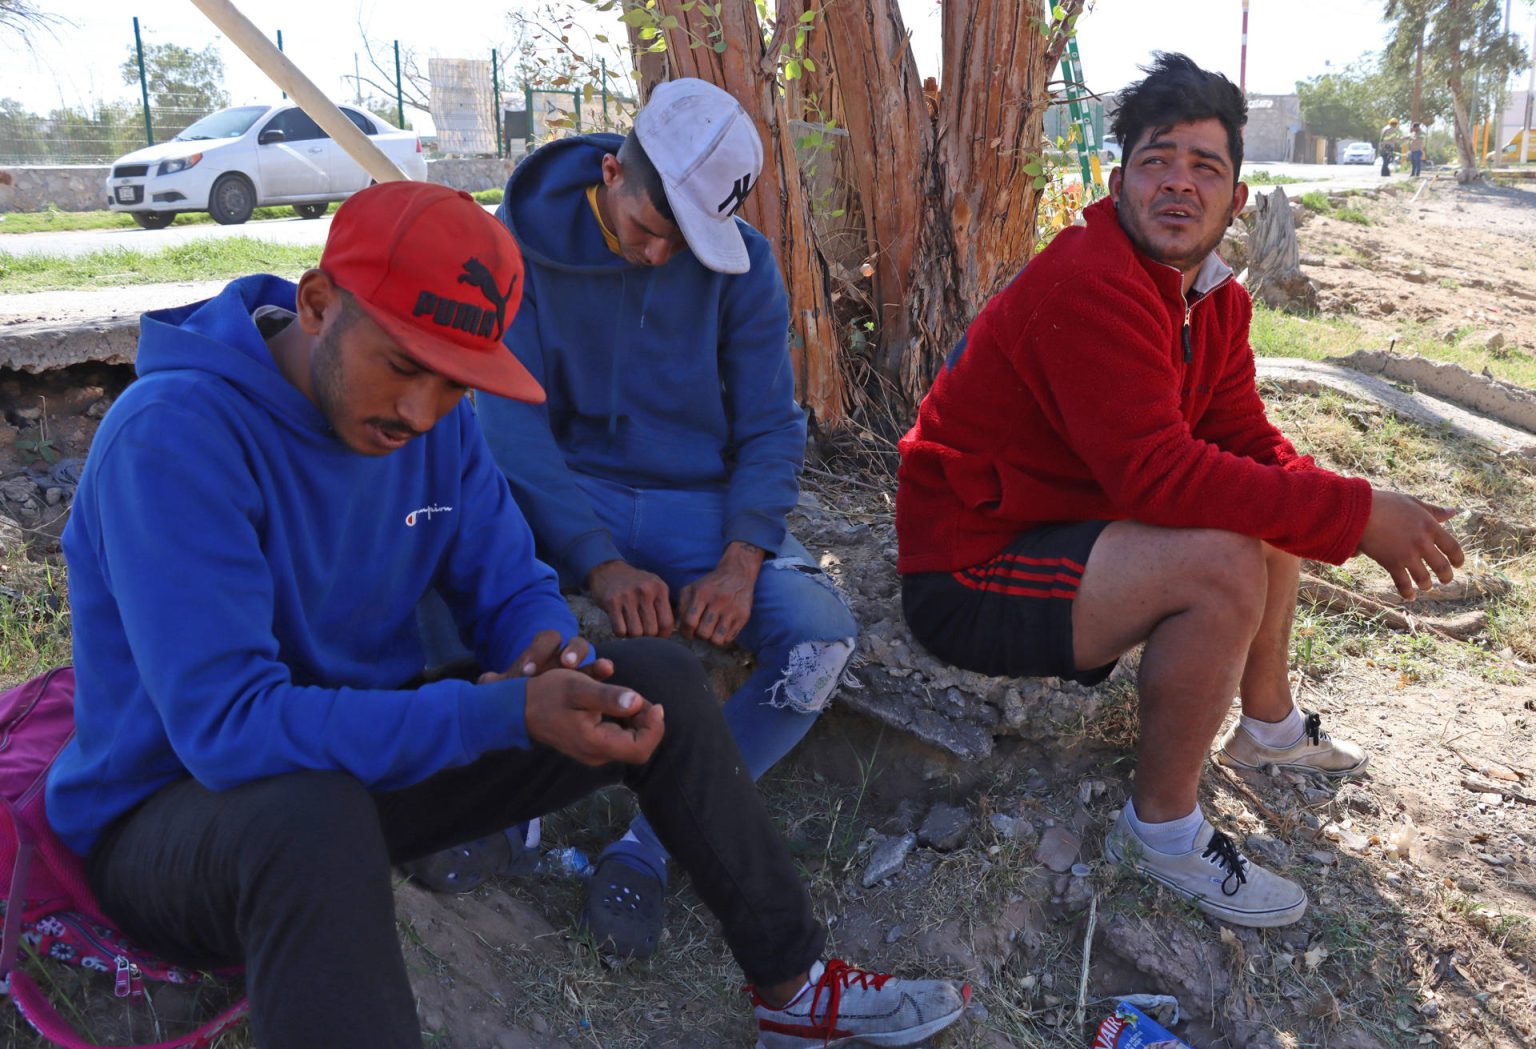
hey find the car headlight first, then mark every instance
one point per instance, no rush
(170, 167)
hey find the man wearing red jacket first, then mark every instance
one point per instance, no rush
(1093, 469)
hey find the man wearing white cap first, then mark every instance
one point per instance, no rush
(660, 470)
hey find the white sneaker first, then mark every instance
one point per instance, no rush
(1316, 751)
(845, 1006)
(1217, 877)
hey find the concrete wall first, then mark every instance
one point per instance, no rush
(83, 187)
(1273, 121)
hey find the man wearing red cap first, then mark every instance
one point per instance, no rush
(259, 516)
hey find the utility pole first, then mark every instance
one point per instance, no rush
(1242, 69)
(1418, 74)
(1527, 150)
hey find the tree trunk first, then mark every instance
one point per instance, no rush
(947, 205)
(1274, 261)
(978, 227)
(1461, 118)
(777, 207)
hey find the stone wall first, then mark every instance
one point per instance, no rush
(83, 187)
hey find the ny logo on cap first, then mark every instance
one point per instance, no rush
(466, 316)
(738, 194)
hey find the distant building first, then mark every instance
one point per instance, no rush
(1276, 133)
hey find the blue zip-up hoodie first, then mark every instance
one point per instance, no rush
(672, 377)
(244, 586)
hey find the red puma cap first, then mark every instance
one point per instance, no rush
(441, 276)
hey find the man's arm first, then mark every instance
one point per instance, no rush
(491, 579)
(523, 445)
(768, 440)
(767, 426)
(1108, 380)
(195, 596)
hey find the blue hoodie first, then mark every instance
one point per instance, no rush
(672, 377)
(244, 586)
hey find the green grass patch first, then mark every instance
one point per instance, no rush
(488, 196)
(1278, 334)
(1317, 201)
(55, 221)
(213, 259)
(1262, 177)
(1354, 215)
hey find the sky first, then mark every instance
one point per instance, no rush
(77, 61)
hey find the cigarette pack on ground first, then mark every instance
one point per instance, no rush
(1130, 1028)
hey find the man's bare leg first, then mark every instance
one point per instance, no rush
(1197, 597)
(1266, 683)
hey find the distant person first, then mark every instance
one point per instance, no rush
(659, 473)
(260, 515)
(1390, 139)
(1093, 469)
(1416, 150)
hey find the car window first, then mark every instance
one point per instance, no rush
(295, 125)
(363, 123)
(226, 123)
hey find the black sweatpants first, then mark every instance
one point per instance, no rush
(290, 876)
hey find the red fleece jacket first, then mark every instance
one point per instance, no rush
(1070, 399)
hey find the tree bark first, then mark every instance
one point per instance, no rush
(1461, 119)
(1274, 260)
(978, 229)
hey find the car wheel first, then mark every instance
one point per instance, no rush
(232, 200)
(154, 219)
(311, 211)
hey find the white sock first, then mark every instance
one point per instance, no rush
(1277, 735)
(1171, 837)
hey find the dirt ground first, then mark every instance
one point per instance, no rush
(1421, 873)
(1453, 260)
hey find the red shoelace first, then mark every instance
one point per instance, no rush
(835, 977)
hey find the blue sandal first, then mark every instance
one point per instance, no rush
(463, 868)
(623, 912)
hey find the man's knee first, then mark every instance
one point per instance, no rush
(1228, 572)
(311, 822)
(662, 671)
(811, 672)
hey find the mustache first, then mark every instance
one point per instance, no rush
(394, 427)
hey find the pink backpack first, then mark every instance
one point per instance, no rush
(44, 898)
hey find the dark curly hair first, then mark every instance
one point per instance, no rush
(1176, 91)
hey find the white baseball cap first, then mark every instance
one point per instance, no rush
(707, 152)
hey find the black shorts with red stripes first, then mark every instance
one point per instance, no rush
(1011, 615)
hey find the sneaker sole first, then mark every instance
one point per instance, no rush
(1270, 919)
(1223, 758)
(907, 1036)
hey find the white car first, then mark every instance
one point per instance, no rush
(1358, 153)
(236, 160)
(1109, 150)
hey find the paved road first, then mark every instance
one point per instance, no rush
(313, 231)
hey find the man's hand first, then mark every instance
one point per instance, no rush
(545, 653)
(635, 600)
(589, 721)
(1408, 538)
(715, 607)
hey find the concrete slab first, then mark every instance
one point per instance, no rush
(43, 330)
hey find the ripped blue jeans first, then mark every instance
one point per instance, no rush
(801, 631)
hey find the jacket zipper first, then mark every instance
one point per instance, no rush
(1189, 349)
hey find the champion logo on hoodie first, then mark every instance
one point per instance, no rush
(426, 513)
